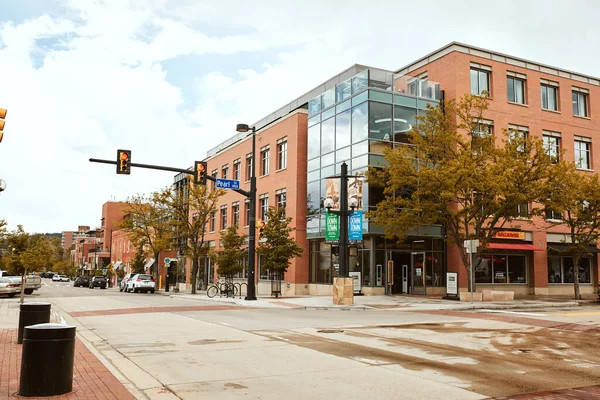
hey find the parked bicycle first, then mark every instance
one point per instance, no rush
(227, 289)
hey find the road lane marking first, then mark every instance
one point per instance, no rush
(577, 314)
(514, 312)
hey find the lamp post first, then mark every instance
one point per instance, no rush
(251, 294)
(343, 213)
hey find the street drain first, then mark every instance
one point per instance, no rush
(331, 331)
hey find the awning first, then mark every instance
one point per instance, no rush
(564, 247)
(118, 265)
(149, 264)
(513, 246)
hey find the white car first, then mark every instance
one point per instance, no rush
(60, 278)
(9, 287)
(141, 283)
(123, 285)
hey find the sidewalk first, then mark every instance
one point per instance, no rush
(386, 303)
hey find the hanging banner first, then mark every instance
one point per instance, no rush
(355, 190)
(332, 228)
(355, 231)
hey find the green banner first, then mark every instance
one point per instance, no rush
(332, 228)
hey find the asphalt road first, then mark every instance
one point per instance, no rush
(168, 347)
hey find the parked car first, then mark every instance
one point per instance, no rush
(123, 285)
(9, 287)
(32, 282)
(81, 281)
(141, 283)
(98, 281)
(47, 275)
(60, 278)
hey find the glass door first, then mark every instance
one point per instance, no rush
(418, 273)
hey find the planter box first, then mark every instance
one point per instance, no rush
(506, 295)
(466, 296)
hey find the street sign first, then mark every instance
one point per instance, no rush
(167, 261)
(227, 183)
(471, 246)
(104, 271)
(332, 228)
(355, 231)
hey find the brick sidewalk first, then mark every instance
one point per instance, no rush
(583, 393)
(91, 379)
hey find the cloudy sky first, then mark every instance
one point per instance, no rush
(169, 79)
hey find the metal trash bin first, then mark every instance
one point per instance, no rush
(47, 360)
(32, 314)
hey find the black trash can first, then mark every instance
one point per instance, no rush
(47, 361)
(32, 314)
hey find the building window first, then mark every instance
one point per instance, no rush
(264, 207)
(282, 153)
(516, 88)
(236, 169)
(482, 133)
(213, 221)
(522, 211)
(520, 134)
(235, 210)
(247, 213)
(560, 270)
(214, 174)
(553, 215)
(549, 93)
(480, 80)
(580, 102)
(500, 268)
(280, 197)
(551, 142)
(262, 272)
(248, 167)
(264, 160)
(223, 217)
(225, 171)
(582, 153)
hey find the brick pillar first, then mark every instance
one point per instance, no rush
(538, 272)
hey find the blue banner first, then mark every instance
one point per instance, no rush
(355, 231)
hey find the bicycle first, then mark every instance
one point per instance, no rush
(225, 288)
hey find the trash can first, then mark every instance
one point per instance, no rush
(32, 314)
(47, 360)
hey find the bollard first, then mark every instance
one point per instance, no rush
(32, 314)
(47, 360)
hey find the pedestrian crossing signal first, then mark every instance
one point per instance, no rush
(123, 162)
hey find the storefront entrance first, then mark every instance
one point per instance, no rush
(405, 273)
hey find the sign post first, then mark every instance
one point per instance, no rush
(471, 247)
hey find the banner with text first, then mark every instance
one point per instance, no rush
(332, 228)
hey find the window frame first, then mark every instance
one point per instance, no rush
(480, 69)
(523, 81)
(223, 217)
(282, 145)
(265, 158)
(582, 95)
(546, 84)
(249, 162)
(281, 201)
(264, 207)
(235, 212)
(549, 147)
(587, 151)
(237, 169)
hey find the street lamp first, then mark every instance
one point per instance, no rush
(251, 294)
(2, 185)
(345, 202)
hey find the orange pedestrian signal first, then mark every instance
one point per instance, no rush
(200, 168)
(123, 162)
(2, 116)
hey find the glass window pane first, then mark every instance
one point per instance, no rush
(552, 99)
(342, 155)
(328, 114)
(567, 269)
(554, 272)
(342, 107)
(405, 101)
(313, 176)
(360, 148)
(327, 159)
(510, 85)
(314, 164)
(314, 141)
(327, 172)
(360, 81)
(328, 98)
(342, 130)
(385, 97)
(380, 121)
(360, 122)
(544, 94)
(343, 91)
(327, 135)
(404, 119)
(584, 271)
(360, 98)
(483, 82)
(377, 160)
(314, 106)
(520, 91)
(474, 82)
(483, 269)
(359, 162)
(516, 269)
(377, 147)
(575, 106)
(314, 120)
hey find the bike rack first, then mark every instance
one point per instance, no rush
(240, 288)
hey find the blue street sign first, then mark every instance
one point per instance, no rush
(227, 183)
(355, 231)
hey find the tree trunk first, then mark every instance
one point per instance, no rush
(194, 274)
(576, 277)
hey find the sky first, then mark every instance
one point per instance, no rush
(169, 79)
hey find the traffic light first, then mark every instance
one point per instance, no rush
(261, 228)
(123, 162)
(200, 176)
(2, 116)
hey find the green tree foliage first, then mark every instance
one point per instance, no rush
(277, 247)
(139, 262)
(229, 258)
(148, 220)
(576, 196)
(455, 174)
(192, 208)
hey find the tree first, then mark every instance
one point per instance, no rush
(229, 259)
(454, 173)
(576, 196)
(192, 208)
(277, 247)
(148, 220)
(139, 262)
(110, 273)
